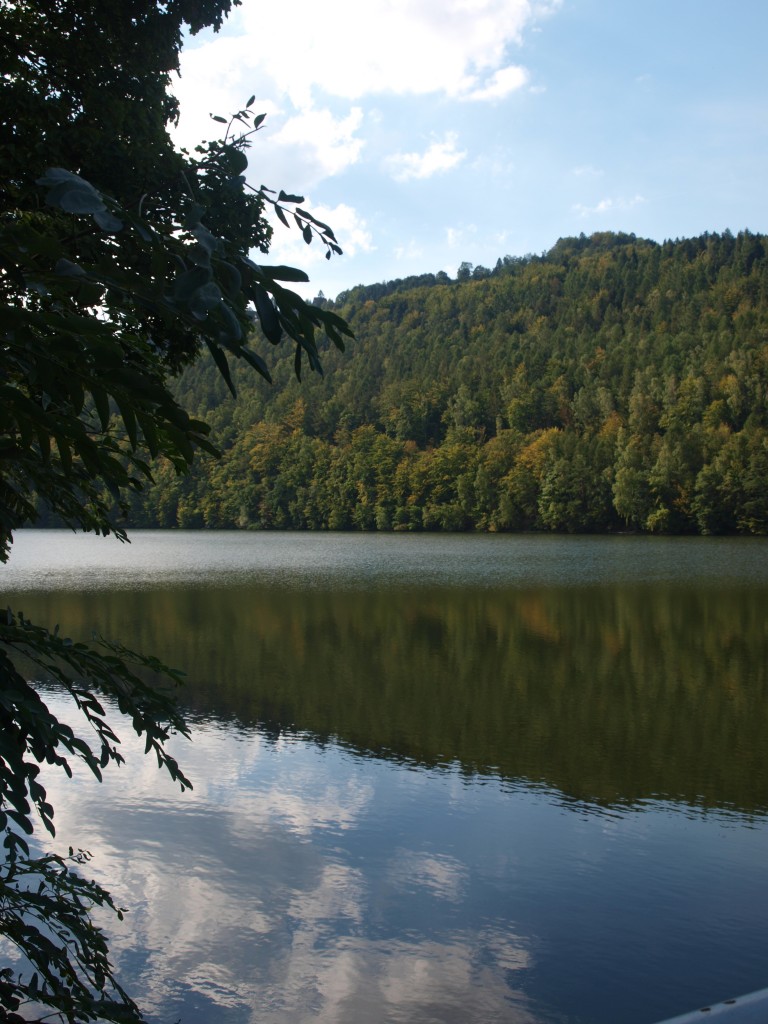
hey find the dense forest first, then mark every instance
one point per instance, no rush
(610, 384)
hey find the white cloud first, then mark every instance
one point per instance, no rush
(439, 157)
(320, 143)
(333, 79)
(608, 205)
(293, 149)
(455, 237)
(586, 171)
(496, 164)
(501, 84)
(348, 226)
(218, 77)
(350, 50)
(411, 251)
(323, 72)
(290, 53)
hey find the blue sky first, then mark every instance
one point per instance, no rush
(431, 132)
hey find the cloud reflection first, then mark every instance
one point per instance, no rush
(236, 914)
(393, 981)
(444, 877)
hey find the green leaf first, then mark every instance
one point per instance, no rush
(181, 443)
(138, 384)
(238, 161)
(229, 277)
(268, 316)
(282, 273)
(193, 215)
(323, 227)
(281, 215)
(208, 241)
(221, 362)
(204, 300)
(149, 430)
(337, 340)
(80, 200)
(89, 293)
(44, 441)
(129, 419)
(56, 176)
(257, 363)
(188, 283)
(66, 268)
(231, 331)
(65, 453)
(108, 222)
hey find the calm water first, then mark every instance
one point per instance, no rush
(437, 778)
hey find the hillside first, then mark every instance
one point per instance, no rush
(610, 384)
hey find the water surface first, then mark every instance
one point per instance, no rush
(447, 778)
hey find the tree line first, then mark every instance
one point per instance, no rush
(610, 384)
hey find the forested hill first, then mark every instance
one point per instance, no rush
(610, 384)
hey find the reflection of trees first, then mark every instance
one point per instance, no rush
(609, 694)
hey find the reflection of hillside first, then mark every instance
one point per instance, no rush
(609, 694)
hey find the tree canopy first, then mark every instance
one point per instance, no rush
(121, 260)
(122, 257)
(610, 384)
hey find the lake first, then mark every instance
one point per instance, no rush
(437, 778)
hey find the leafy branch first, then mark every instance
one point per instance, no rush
(307, 224)
(45, 903)
(286, 205)
(45, 912)
(113, 278)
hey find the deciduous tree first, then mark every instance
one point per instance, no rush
(121, 260)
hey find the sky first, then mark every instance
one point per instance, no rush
(428, 133)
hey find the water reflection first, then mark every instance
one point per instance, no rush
(56, 559)
(305, 884)
(423, 802)
(296, 885)
(612, 695)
